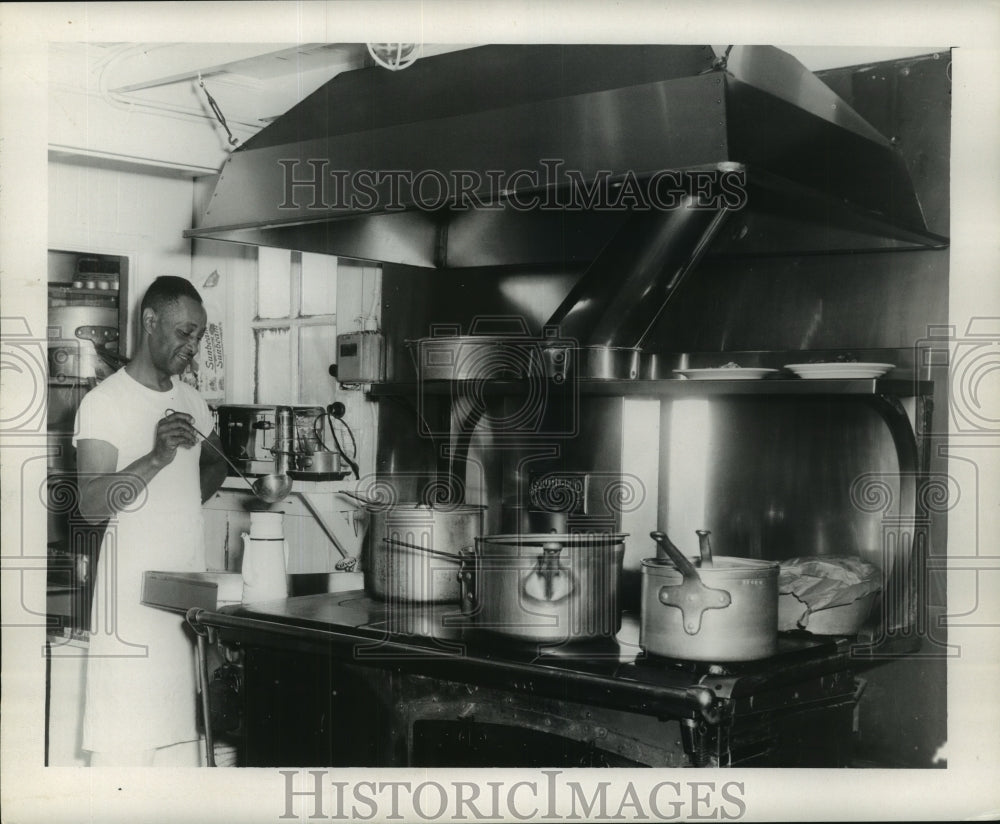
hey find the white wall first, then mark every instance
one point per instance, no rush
(135, 214)
(232, 301)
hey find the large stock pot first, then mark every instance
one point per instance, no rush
(412, 549)
(545, 587)
(725, 609)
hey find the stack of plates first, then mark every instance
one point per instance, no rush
(823, 371)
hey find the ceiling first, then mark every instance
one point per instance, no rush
(151, 104)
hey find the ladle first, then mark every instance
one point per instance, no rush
(268, 488)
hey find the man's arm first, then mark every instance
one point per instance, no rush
(211, 466)
(103, 491)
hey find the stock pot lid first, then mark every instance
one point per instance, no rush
(404, 507)
(571, 539)
(419, 509)
(722, 566)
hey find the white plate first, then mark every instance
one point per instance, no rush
(821, 371)
(725, 373)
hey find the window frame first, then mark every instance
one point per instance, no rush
(293, 322)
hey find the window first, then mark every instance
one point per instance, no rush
(295, 328)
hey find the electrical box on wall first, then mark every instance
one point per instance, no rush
(360, 357)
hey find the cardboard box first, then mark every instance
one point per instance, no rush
(180, 591)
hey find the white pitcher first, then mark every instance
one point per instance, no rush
(265, 555)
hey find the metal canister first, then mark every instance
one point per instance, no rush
(284, 440)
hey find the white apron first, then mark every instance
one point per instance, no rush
(141, 667)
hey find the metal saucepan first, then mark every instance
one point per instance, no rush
(724, 609)
(318, 462)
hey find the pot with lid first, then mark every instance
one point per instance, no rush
(723, 609)
(545, 587)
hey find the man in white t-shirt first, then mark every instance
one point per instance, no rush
(147, 473)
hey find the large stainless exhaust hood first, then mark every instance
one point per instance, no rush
(542, 155)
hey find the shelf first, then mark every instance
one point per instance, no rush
(71, 382)
(77, 290)
(673, 387)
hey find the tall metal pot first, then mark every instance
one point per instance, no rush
(411, 553)
(545, 587)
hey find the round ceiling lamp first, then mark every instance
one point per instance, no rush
(394, 56)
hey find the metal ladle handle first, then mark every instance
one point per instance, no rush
(256, 487)
(690, 596)
(204, 439)
(368, 503)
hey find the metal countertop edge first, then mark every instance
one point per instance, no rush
(691, 701)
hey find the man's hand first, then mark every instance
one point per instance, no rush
(174, 431)
(96, 461)
(212, 467)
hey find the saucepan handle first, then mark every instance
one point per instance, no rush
(467, 580)
(444, 556)
(690, 596)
